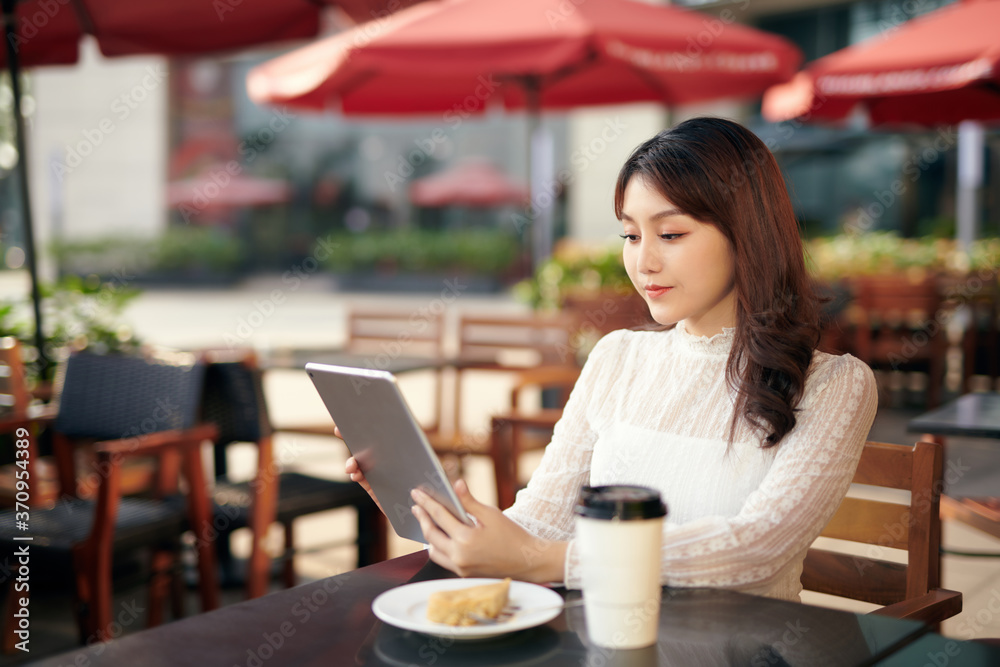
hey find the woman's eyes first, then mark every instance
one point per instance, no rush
(632, 238)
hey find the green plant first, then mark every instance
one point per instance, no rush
(574, 267)
(195, 249)
(78, 314)
(480, 252)
(178, 249)
(837, 257)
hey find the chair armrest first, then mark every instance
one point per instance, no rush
(152, 444)
(23, 419)
(545, 418)
(933, 607)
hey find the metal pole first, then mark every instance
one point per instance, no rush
(13, 67)
(970, 180)
(539, 172)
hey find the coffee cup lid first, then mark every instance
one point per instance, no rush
(622, 502)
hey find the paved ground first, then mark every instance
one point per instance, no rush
(271, 316)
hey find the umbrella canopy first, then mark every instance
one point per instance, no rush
(458, 55)
(469, 183)
(940, 68)
(207, 192)
(48, 32)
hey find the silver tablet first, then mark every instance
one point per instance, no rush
(388, 443)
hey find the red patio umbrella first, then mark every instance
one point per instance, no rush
(940, 68)
(48, 32)
(468, 183)
(457, 57)
(216, 189)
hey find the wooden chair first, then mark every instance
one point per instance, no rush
(377, 336)
(521, 430)
(507, 345)
(981, 342)
(908, 591)
(895, 327)
(122, 408)
(234, 401)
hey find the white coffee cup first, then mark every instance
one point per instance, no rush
(619, 532)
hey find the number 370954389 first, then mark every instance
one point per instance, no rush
(23, 454)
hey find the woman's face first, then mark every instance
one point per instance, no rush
(682, 267)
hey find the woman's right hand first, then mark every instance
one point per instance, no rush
(354, 472)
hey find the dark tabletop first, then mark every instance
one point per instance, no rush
(330, 622)
(934, 649)
(971, 415)
(298, 358)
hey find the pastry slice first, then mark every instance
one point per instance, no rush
(462, 606)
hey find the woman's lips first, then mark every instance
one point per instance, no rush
(654, 291)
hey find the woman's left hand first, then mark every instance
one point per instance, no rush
(494, 547)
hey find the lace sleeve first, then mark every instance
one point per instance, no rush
(809, 477)
(545, 507)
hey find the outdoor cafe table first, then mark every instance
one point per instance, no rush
(330, 622)
(974, 415)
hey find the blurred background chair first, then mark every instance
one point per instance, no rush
(896, 328)
(234, 401)
(981, 342)
(114, 408)
(524, 429)
(911, 590)
(504, 346)
(387, 339)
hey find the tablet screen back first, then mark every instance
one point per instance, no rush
(385, 438)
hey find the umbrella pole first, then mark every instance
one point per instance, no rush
(539, 167)
(22, 167)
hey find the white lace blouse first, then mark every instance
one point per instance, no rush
(653, 408)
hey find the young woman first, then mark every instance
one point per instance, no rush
(749, 433)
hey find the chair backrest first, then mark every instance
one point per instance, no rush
(896, 300)
(14, 395)
(525, 341)
(914, 526)
(233, 400)
(396, 332)
(107, 397)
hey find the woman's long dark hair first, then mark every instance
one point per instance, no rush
(720, 173)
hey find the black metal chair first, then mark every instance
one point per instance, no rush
(233, 400)
(121, 407)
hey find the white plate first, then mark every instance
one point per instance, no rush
(406, 607)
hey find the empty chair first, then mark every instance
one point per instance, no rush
(234, 401)
(121, 407)
(897, 328)
(521, 430)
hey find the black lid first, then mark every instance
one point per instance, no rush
(622, 502)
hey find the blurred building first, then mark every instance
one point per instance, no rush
(106, 136)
